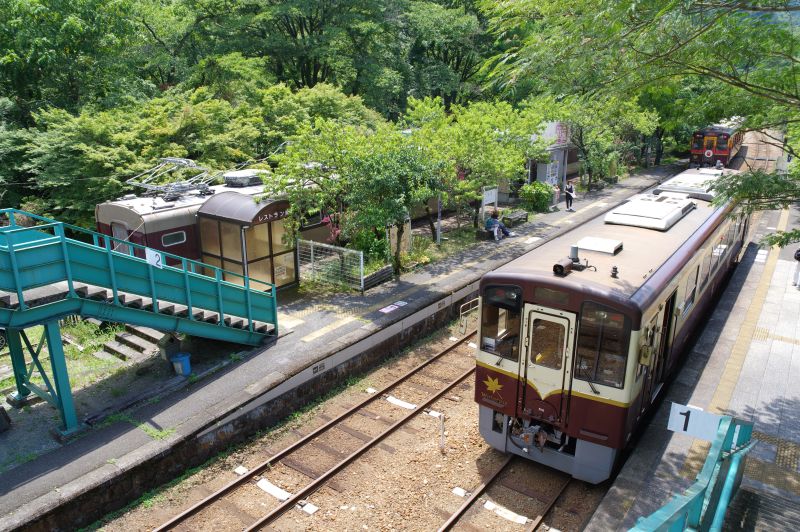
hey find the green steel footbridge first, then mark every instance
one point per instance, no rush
(46, 276)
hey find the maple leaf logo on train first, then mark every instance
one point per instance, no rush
(493, 385)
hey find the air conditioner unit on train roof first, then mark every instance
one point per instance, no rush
(650, 211)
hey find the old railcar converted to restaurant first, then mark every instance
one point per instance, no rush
(578, 336)
(222, 225)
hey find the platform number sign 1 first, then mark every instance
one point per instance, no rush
(693, 421)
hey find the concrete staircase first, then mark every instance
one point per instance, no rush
(133, 345)
(759, 511)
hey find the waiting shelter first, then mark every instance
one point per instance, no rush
(243, 236)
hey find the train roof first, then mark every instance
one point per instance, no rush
(728, 127)
(149, 205)
(637, 237)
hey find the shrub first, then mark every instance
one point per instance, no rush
(536, 196)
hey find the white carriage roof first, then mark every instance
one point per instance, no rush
(144, 205)
(651, 212)
(695, 183)
(644, 251)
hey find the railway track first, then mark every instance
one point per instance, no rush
(476, 498)
(433, 378)
(760, 153)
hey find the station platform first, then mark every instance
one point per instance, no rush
(746, 364)
(183, 422)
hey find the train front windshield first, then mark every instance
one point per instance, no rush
(602, 346)
(500, 321)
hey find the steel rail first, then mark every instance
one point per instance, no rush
(200, 505)
(551, 503)
(476, 493)
(310, 488)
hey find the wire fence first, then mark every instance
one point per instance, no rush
(337, 266)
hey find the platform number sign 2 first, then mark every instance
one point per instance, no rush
(693, 421)
(153, 257)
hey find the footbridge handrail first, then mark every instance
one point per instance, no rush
(703, 505)
(97, 237)
(194, 284)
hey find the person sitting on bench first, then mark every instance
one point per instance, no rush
(493, 224)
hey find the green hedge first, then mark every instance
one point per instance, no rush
(537, 196)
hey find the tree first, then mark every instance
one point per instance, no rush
(65, 53)
(603, 130)
(485, 143)
(446, 52)
(395, 175)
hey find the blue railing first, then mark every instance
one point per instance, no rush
(41, 255)
(703, 505)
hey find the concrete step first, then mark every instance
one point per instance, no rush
(145, 333)
(123, 352)
(136, 342)
(130, 300)
(753, 510)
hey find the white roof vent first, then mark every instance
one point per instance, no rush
(651, 212)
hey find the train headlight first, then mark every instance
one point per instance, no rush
(562, 267)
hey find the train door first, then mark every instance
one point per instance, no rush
(709, 148)
(659, 332)
(547, 364)
(120, 231)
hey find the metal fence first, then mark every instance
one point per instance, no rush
(337, 266)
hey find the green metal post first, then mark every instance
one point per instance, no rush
(152, 275)
(187, 285)
(18, 364)
(219, 300)
(60, 376)
(112, 272)
(59, 231)
(15, 270)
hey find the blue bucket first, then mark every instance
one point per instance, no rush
(181, 364)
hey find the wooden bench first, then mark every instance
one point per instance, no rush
(514, 218)
(483, 234)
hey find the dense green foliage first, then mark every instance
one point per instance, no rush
(396, 100)
(537, 196)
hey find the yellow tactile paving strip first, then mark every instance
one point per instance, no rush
(783, 473)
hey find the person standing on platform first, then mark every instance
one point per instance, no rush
(569, 190)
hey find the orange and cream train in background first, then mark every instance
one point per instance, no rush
(578, 336)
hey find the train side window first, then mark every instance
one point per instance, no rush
(602, 349)
(705, 268)
(547, 343)
(722, 143)
(501, 321)
(698, 143)
(691, 290)
(173, 239)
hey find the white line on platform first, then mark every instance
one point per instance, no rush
(325, 330)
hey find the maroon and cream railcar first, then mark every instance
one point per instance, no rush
(717, 143)
(578, 336)
(165, 224)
